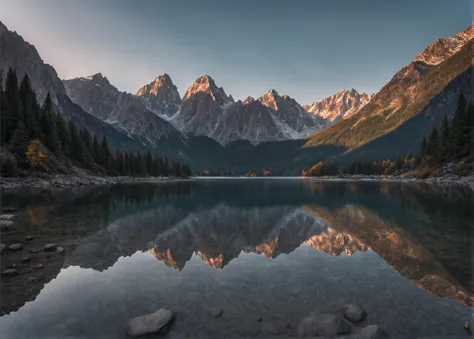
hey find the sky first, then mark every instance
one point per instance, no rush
(306, 49)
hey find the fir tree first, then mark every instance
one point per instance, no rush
(48, 126)
(433, 143)
(445, 141)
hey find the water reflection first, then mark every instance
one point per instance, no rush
(423, 232)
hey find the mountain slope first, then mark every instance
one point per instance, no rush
(339, 106)
(160, 96)
(23, 57)
(406, 138)
(120, 109)
(402, 98)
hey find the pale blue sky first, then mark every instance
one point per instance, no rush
(306, 49)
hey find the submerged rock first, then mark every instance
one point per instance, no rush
(215, 312)
(4, 224)
(368, 332)
(353, 312)
(29, 237)
(26, 258)
(321, 325)
(50, 247)
(60, 250)
(15, 247)
(469, 325)
(7, 217)
(35, 250)
(10, 272)
(150, 323)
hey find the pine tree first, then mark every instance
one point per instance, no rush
(445, 141)
(96, 148)
(20, 141)
(459, 129)
(48, 125)
(64, 135)
(11, 107)
(104, 152)
(77, 148)
(433, 144)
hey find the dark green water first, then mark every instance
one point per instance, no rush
(275, 249)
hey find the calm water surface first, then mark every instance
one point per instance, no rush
(275, 249)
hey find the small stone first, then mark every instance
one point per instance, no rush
(60, 250)
(369, 332)
(469, 325)
(35, 250)
(7, 217)
(10, 272)
(5, 224)
(15, 247)
(29, 238)
(50, 247)
(215, 312)
(36, 278)
(150, 323)
(12, 266)
(26, 258)
(353, 312)
(269, 329)
(258, 318)
(37, 267)
(3, 247)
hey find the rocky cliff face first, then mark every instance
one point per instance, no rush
(339, 106)
(160, 96)
(206, 110)
(122, 110)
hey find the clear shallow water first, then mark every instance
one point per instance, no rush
(275, 249)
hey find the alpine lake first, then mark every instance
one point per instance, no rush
(264, 252)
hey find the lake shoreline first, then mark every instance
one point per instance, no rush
(68, 180)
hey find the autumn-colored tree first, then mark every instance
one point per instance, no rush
(36, 155)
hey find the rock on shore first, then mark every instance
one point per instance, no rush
(66, 180)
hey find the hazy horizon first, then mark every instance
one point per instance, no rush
(309, 50)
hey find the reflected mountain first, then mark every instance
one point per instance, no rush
(422, 231)
(220, 234)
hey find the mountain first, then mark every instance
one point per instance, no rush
(160, 96)
(339, 106)
(202, 106)
(122, 110)
(206, 110)
(289, 113)
(404, 96)
(23, 57)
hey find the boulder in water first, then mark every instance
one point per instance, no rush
(321, 325)
(353, 312)
(150, 323)
(15, 247)
(50, 247)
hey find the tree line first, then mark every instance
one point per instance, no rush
(38, 138)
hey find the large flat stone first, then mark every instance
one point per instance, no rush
(150, 323)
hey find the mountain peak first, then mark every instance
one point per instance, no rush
(443, 48)
(3, 28)
(249, 100)
(339, 106)
(160, 96)
(205, 84)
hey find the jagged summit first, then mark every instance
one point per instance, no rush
(205, 84)
(443, 48)
(160, 96)
(339, 106)
(249, 100)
